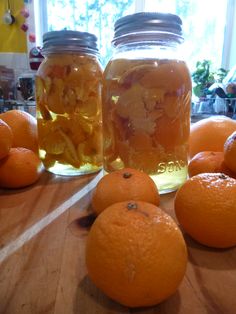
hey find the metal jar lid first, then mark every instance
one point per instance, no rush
(69, 41)
(148, 22)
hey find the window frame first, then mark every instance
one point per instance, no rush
(229, 45)
(41, 21)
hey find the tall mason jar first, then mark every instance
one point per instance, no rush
(146, 100)
(68, 103)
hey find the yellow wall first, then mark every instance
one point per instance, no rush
(12, 38)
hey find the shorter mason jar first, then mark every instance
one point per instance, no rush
(68, 103)
(146, 100)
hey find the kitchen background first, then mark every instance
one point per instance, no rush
(209, 31)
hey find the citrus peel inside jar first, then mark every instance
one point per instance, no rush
(146, 114)
(68, 99)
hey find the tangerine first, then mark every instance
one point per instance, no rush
(210, 134)
(205, 207)
(20, 168)
(122, 185)
(24, 128)
(6, 139)
(136, 254)
(208, 161)
(227, 171)
(230, 152)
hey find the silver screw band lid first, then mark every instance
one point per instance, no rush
(148, 22)
(68, 40)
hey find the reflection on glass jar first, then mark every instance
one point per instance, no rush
(146, 101)
(68, 96)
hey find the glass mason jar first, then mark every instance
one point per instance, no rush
(68, 103)
(146, 100)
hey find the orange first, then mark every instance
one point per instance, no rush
(227, 171)
(24, 128)
(6, 139)
(208, 162)
(230, 152)
(210, 134)
(136, 254)
(205, 207)
(20, 168)
(122, 185)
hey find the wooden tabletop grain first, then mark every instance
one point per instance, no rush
(42, 264)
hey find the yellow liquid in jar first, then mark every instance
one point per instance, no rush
(146, 119)
(68, 169)
(69, 114)
(170, 181)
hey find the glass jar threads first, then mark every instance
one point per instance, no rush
(68, 98)
(146, 100)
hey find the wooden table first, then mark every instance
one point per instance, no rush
(42, 265)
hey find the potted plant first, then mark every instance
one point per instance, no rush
(204, 77)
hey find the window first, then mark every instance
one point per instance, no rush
(209, 27)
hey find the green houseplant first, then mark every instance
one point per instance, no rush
(204, 77)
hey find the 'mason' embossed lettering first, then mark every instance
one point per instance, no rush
(170, 166)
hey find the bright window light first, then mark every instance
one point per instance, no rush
(204, 23)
